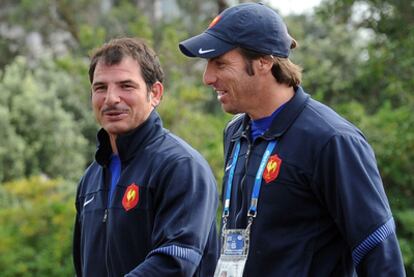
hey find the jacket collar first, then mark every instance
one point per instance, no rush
(282, 121)
(130, 143)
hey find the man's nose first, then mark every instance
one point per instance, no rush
(112, 96)
(209, 75)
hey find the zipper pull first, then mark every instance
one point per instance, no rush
(105, 215)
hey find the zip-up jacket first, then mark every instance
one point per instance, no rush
(161, 219)
(322, 209)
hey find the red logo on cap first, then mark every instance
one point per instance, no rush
(131, 197)
(272, 169)
(215, 21)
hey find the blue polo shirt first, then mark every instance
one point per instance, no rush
(259, 126)
(115, 169)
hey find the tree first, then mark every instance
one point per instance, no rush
(12, 149)
(37, 125)
(36, 218)
(387, 72)
(330, 56)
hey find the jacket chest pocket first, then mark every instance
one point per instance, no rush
(92, 205)
(288, 195)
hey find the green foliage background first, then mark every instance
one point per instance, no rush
(357, 57)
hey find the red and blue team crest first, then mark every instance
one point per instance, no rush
(131, 197)
(272, 168)
(214, 22)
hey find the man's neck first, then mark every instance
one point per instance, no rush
(274, 97)
(112, 139)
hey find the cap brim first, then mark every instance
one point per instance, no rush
(205, 46)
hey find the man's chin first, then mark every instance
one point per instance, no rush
(229, 110)
(117, 129)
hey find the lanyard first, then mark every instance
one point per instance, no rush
(257, 182)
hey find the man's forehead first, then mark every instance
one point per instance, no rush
(117, 73)
(127, 64)
(228, 56)
(108, 62)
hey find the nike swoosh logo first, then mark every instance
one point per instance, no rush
(228, 167)
(201, 51)
(88, 201)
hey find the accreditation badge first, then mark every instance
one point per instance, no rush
(235, 247)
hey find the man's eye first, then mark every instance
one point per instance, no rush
(220, 64)
(127, 86)
(99, 89)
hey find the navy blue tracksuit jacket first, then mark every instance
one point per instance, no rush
(322, 208)
(161, 220)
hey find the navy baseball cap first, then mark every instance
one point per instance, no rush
(251, 26)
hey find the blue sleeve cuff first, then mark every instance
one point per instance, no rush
(377, 237)
(187, 254)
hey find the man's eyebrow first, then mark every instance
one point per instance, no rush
(218, 58)
(96, 84)
(221, 59)
(123, 82)
(128, 81)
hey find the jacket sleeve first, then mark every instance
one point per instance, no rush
(186, 203)
(348, 182)
(76, 242)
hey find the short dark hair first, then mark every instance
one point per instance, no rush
(284, 71)
(115, 50)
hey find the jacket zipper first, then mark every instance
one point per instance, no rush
(105, 215)
(241, 187)
(246, 161)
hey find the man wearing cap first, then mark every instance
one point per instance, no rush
(302, 195)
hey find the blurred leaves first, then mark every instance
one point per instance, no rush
(36, 218)
(41, 135)
(357, 57)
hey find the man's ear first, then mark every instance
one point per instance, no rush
(265, 64)
(157, 91)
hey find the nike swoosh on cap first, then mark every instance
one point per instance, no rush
(201, 51)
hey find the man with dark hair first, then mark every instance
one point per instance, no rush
(146, 206)
(302, 195)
